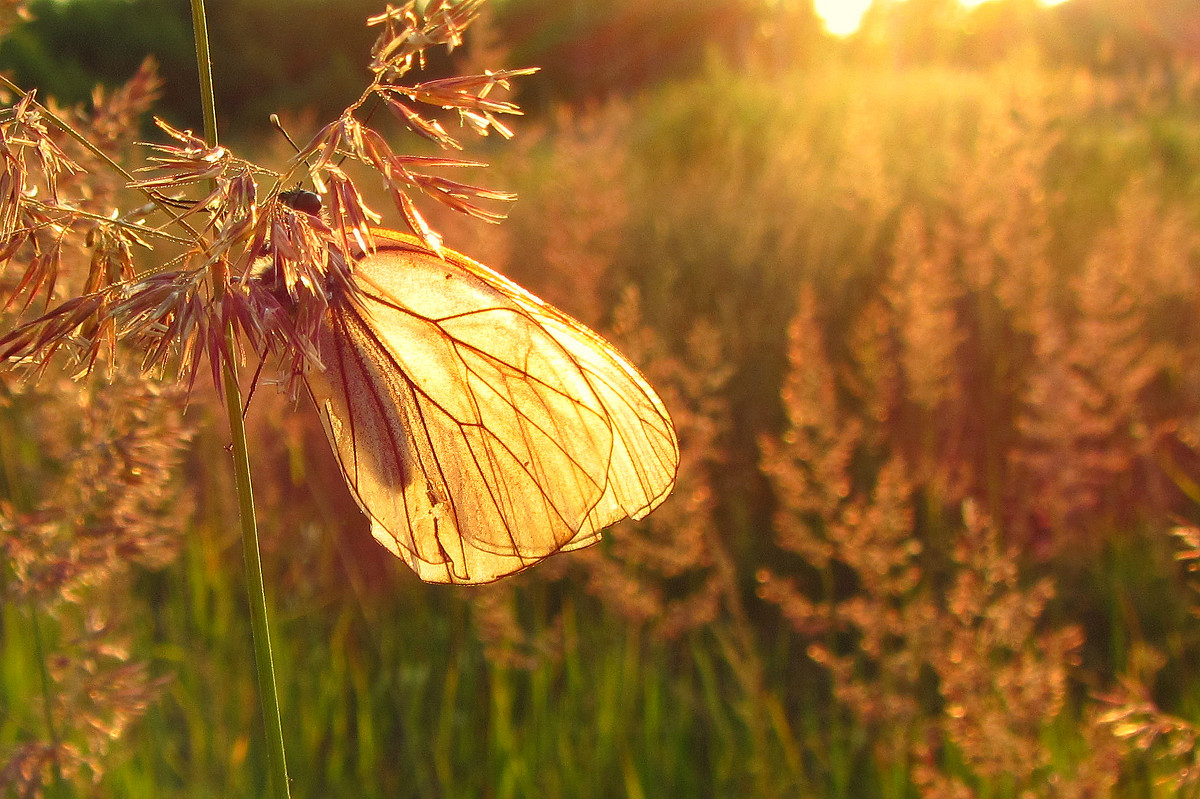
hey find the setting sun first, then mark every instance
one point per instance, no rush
(842, 17)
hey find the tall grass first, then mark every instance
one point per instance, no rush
(984, 415)
(928, 340)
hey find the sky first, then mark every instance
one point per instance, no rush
(842, 16)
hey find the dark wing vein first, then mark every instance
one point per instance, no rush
(517, 410)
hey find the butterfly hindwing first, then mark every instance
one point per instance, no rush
(479, 428)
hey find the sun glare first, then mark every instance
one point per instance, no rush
(842, 17)
(973, 3)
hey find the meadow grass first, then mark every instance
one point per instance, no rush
(927, 339)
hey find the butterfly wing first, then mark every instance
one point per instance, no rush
(479, 428)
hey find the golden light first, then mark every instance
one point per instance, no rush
(842, 17)
(973, 3)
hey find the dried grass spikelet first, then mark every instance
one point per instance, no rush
(886, 623)
(512, 430)
(810, 463)
(998, 192)
(110, 501)
(1133, 716)
(586, 207)
(1172, 742)
(178, 314)
(1002, 677)
(924, 294)
(1094, 421)
(834, 522)
(106, 467)
(871, 535)
(935, 424)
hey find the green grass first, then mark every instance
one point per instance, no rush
(396, 699)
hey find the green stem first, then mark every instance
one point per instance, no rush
(264, 665)
(47, 698)
(204, 65)
(254, 587)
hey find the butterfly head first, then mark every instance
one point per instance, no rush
(271, 271)
(303, 200)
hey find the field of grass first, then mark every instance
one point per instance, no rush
(930, 341)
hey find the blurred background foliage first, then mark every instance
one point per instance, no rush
(922, 302)
(310, 54)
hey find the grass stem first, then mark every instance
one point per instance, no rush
(264, 664)
(47, 700)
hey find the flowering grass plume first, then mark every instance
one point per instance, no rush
(145, 274)
(208, 212)
(91, 491)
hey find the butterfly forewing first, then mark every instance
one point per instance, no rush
(480, 429)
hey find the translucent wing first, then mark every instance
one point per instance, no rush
(479, 428)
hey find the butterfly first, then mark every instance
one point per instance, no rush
(479, 428)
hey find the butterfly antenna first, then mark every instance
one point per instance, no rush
(375, 105)
(275, 121)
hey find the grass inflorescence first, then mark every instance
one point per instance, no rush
(927, 338)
